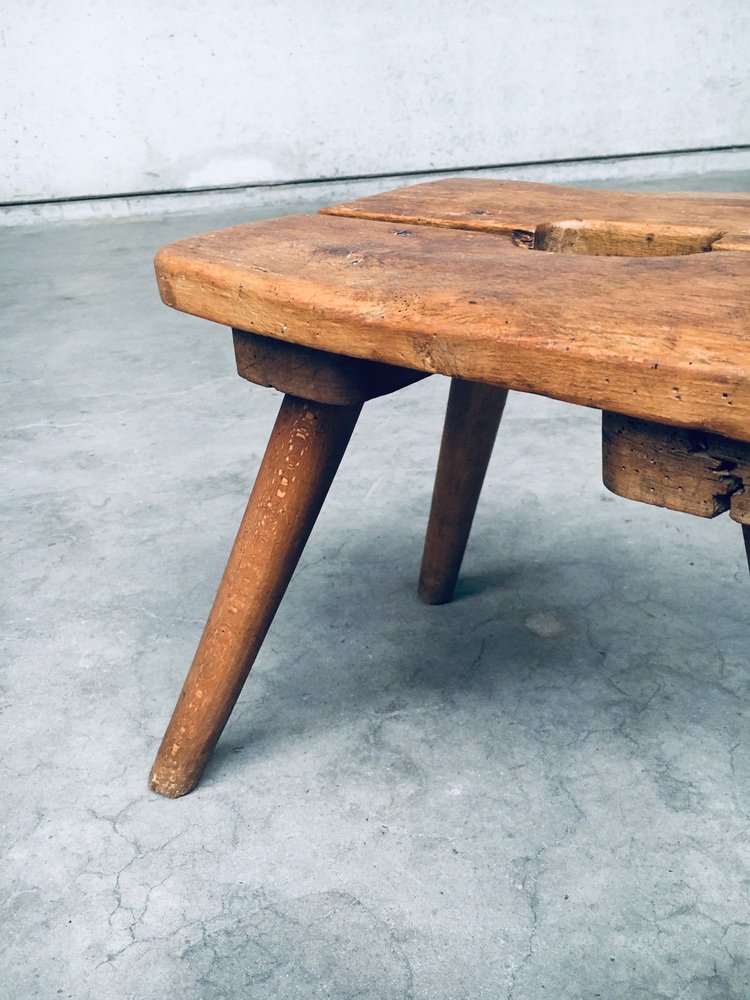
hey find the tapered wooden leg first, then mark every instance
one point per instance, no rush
(471, 422)
(303, 454)
(746, 537)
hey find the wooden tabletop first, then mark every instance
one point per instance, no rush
(446, 277)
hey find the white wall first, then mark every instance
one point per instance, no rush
(101, 97)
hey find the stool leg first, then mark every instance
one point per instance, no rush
(303, 454)
(746, 538)
(471, 423)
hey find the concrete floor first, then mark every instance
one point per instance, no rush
(539, 791)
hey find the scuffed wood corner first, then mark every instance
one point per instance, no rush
(686, 470)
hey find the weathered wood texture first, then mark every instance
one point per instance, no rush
(471, 422)
(665, 338)
(317, 375)
(506, 206)
(686, 470)
(623, 239)
(306, 446)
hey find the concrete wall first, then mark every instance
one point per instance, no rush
(102, 97)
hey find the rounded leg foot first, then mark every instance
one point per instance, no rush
(471, 423)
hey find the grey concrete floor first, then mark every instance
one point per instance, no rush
(539, 791)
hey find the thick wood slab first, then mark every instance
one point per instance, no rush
(666, 339)
(504, 206)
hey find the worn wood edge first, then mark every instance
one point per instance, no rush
(545, 368)
(418, 204)
(318, 375)
(598, 237)
(681, 469)
(606, 237)
(735, 242)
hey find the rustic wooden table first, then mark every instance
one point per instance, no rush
(638, 305)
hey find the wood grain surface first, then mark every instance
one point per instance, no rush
(665, 338)
(503, 206)
(303, 454)
(317, 375)
(676, 468)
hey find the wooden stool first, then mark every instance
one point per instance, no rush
(638, 305)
